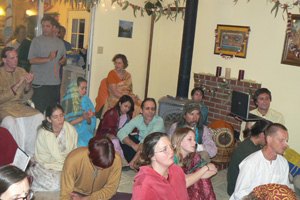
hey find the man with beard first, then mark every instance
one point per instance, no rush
(191, 117)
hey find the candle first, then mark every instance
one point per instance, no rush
(219, 71)
(227, 73)
(241, 75)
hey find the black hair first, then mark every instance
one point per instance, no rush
(4, 51)
(49, 111)
(80, 80)
(53, 22)
(10, 175)
(122, 100)
(259, 92)
(148, 99)
(257, 128)
(197, 89)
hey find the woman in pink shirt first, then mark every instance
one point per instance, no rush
(159, 178)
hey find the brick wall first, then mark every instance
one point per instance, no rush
(218, 108)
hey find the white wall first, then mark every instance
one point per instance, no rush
(135, 49)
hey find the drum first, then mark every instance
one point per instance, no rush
(223, 136)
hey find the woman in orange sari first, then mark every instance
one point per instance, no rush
(119, 83)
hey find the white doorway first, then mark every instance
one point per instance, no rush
(78, 29)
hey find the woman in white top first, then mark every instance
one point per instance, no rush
(56, 139)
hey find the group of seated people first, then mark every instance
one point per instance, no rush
(68, 156)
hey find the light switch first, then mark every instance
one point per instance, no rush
(100, 50)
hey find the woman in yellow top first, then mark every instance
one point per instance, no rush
(119, 83)
(56, 139)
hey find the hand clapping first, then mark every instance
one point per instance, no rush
(89, 114)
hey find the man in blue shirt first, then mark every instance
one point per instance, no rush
(147, 122)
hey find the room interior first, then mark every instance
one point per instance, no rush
(262, 64)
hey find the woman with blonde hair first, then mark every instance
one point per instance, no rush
(197, 170)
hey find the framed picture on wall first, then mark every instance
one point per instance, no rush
(125, 29)
(231, 40)
(291, 48)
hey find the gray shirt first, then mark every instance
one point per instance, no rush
(47, 73)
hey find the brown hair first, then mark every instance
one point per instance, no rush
(123, 57)
(102, 152)
(148, 148)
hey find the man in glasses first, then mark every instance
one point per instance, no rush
(21, 120)
(191, 117)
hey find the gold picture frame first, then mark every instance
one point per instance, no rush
(232, 40)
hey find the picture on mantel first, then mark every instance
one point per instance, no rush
(125, 29)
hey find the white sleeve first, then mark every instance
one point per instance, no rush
(244, 180)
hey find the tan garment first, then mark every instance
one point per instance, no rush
(11, 104)
(78, 175)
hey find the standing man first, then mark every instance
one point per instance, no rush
(262, 99)
(145, 123)
(21, 120)
(91, 172)
(191, 117)
(264, 166)
(47, 55)
(61, 35)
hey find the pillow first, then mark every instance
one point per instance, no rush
(274, 192)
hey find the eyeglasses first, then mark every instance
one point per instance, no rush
(166, 149)
(27, 197)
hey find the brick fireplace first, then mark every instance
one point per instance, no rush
(218, 102)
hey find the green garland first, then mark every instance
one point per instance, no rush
(278, 5)
(151, 7)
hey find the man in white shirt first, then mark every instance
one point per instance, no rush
(264, 166)
(262, 99)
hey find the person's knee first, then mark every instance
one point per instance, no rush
(39, 117)
(9, 122)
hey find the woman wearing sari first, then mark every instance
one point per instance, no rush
(80, 111)
(119, 83)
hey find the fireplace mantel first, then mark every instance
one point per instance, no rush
(218, 103)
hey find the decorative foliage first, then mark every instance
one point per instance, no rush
(151, 7)
(277, 5)
(291, 43)
(154, 8)
(225, 87)
(85, 4)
